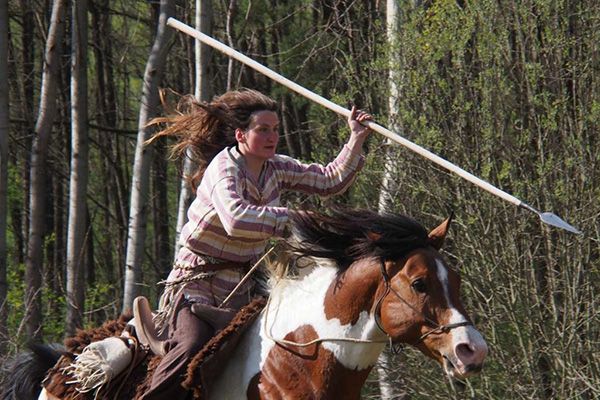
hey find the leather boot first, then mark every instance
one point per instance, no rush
(216, 317)
(145, 328)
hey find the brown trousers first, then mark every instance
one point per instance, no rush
(187, 335)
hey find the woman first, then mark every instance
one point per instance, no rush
(237, 209)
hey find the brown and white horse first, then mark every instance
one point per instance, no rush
(371, 279)
(378, 278)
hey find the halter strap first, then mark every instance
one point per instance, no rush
(438, 329)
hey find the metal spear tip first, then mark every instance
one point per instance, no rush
(554, 220)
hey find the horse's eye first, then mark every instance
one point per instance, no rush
(419, 285)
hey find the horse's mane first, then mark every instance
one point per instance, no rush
(346, 236)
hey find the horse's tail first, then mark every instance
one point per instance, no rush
(22, 375)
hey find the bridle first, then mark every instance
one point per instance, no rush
(438, 329)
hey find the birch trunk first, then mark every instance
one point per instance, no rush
(37, 193)
(3, 167)
(387, 385)
(204, 15)
(76, 233)
(26, 92)
(143, 157)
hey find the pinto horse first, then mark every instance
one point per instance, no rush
(366, 280)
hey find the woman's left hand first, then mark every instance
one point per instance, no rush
(358, 132)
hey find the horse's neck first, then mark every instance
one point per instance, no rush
(323, 305)
(300, 311)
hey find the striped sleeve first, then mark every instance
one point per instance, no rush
(240, 218)
(325, 181)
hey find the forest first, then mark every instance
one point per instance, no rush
(507, 90)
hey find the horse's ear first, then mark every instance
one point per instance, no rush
(437, 236)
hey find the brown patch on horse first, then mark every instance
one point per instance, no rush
(56, 383)
(210, 361)
(310, 372)
(353, 291)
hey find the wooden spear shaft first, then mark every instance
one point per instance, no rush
(548, 218)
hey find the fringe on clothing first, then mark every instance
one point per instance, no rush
(184, 279)
(174, 288)
(98, 363)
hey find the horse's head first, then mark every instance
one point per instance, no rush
(419, 303)
(390, 267)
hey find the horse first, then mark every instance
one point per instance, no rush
(356, 281)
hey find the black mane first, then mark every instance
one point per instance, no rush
(346, 236)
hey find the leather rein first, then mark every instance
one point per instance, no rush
(437, 328)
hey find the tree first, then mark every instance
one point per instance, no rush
(143, 156)
(37, 196)
(202, 92)
(3, 168)
(389, 185)
(76, 234)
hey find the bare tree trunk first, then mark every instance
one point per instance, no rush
(231, 9)
(27, 102)
(143, 157)
(389, 182)
(37, 196)
(160, 210)
(204, 15)
(3, 168)
(387, 385)
(77, 225)
(113, 245)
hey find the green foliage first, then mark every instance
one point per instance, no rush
(492, 88)
(14, 300)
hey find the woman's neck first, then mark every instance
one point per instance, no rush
(254, 165)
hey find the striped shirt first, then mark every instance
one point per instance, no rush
(233, 215)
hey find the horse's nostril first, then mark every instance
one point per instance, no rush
(464, 351)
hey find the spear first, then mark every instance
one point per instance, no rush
(546, 217)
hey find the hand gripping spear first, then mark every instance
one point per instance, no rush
(546, 217)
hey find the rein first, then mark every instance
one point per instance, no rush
(314, 341)
(438, 329)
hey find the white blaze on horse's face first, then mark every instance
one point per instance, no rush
(464, 353)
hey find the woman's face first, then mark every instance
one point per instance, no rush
(259, 141)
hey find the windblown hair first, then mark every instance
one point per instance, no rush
(204, 129)
(346, 236)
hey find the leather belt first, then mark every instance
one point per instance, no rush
(224, 265)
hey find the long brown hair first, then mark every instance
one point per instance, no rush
(203, 129)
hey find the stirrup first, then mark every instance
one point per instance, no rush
(145, 328)
(216, 317)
